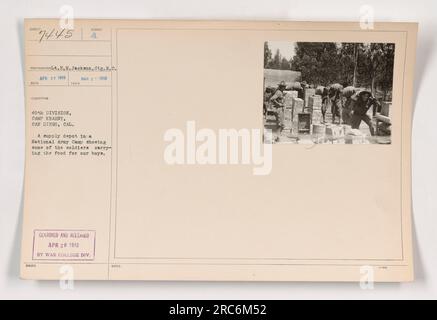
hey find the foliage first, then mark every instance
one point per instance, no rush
(317, 61)
(367, 65)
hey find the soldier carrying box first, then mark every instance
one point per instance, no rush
(362, 102)
(277, 102)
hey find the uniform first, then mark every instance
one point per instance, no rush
(277, 102)
(360, 108)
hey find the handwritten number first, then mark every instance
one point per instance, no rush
(56, 34)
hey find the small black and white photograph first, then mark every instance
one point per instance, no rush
(328, 92)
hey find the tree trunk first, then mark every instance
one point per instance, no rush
(354, 82)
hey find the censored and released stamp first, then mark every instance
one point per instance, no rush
(64, 245)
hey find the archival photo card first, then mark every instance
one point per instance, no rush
(148, 157)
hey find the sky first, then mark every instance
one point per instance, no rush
(285, 47)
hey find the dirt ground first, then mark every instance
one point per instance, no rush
(299, 138)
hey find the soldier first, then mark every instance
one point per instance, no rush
(336, 102)
(362, 102)
(269, 91)
(324, 92)
(277, 102)
(347, 94)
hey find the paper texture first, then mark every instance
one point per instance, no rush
(116, 188)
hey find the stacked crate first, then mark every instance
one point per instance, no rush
(298, 104)
(308, 93)
(318, 132)
(315, 106)
(289, 97)
(335, 133)
(304, 122)
(303, 119)
(383, 122)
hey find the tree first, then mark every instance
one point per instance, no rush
(375, 64)
(285, 64)
(349, 63)
(369, 62)
(385, 76)
(276, 62)
(357, 64)
(267, 54)
(318, 62)
(356, 51)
